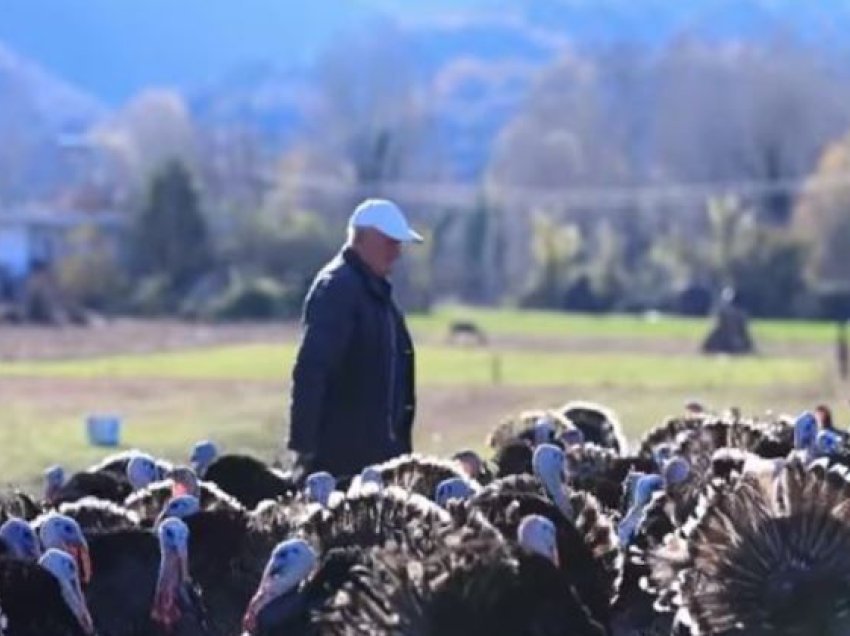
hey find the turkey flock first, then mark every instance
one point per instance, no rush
(714, 524)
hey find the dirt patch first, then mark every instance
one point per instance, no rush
(126, 336)
(622, 344)
(42, 419)
(450, 412)
(57, 392)
(131, 336)
(451, 418)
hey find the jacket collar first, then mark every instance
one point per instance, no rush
(374, 283)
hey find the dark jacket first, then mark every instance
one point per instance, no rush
(353, 396)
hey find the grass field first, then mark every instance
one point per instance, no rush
(444, 366)
(642, 327)
(231, 384)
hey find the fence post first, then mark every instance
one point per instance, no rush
(496, 368)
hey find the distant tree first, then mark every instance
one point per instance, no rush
(565, 134)
(447, 259)
(481, 256)
(694, 112)
(155, 127)
(293, 184)
(170, 237)
(371, 108)
(92, 274)
(557, 252)
(754, 112)
(466, 259)
(606, 268)
(287, 245)
(822, 216)
(232, 164)
(770, 277)
(732, 230)
(764, 265)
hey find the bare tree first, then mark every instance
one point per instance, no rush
(371, 106)
(152, 129)
(733, 113)
(373, 117)
(822, 216)
(562, 138)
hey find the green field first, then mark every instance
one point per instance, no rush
(237, 393)
(447, 366)
(558, 324)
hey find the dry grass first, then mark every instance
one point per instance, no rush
(643, 379)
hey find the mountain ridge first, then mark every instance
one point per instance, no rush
(113, 50)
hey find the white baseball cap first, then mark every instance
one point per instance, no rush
(386, 217)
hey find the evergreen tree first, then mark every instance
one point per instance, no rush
(171, 239)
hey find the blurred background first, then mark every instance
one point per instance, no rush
(590, 175)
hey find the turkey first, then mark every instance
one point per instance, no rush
(141, 584)
(420, 474)
(18, 540)
(63, 533)
(148, 502)
(763, 558)
(113, 479)
(44, 598)
(598, 424)
(586, 538)
(245, 478)
(476, 582)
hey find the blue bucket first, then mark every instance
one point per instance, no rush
(103, 430)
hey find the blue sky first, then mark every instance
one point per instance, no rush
(111, 47)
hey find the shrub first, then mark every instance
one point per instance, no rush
(253, 298)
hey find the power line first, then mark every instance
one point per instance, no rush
(617, 197)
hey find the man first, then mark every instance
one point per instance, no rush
(352, 386)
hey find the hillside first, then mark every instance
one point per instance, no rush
(37, 111)
(253, 62)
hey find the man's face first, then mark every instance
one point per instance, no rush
(380, 251)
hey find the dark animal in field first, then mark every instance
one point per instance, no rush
(465, 331)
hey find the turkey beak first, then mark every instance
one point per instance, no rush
(556, 559)
(80, 551)
(86, 621)
(77, 603)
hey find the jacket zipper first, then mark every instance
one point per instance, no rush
(393, 346)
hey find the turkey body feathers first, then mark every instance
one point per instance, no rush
(764, 560)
